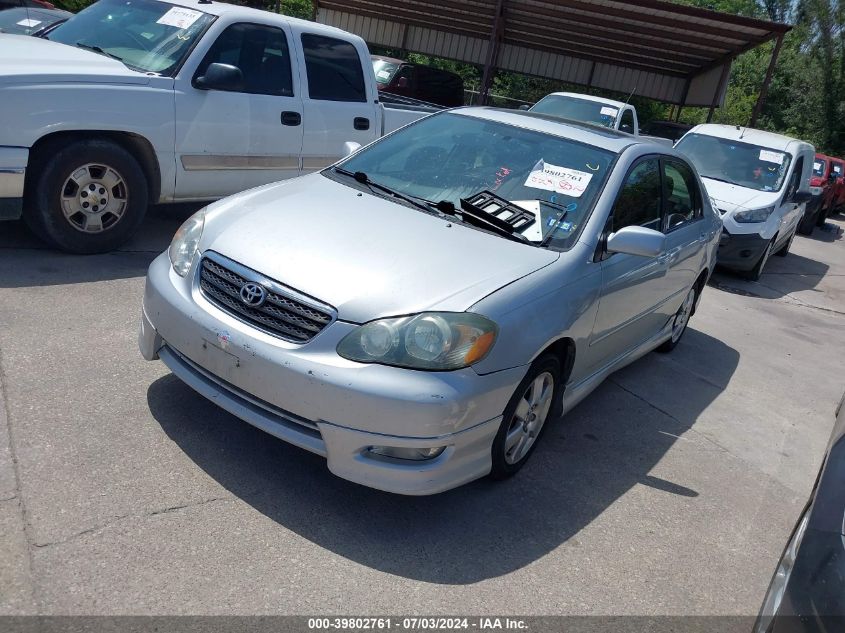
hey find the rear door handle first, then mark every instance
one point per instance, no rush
(361, 123)
(291, 118)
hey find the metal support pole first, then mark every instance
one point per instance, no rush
(764, 89)
(315, 11)
(720, 88)
(683, 100)
(492, 52)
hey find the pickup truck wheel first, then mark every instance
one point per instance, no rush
(680, 321)
(805, 226)
(525, 417)
(89, 198)
(820, 219)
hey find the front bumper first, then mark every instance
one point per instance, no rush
(13, 162)
(740, 252)
(309, 396)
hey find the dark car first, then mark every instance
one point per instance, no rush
(424, 83)
(32, 4)
(27, 21)
(666, 129)
(807, 592)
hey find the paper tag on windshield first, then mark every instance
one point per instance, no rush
(570, 182)
(608, 111)
(179, 17)
(383, 74)
(817, 166)
(29, 23)
(771, 157)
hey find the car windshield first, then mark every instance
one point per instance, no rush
(818, 167)
(577, 110)
(144, 34)
(735, 162)
(23, 21)
(384, 70)
(451, 156)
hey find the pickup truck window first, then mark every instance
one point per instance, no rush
(384, 70)
(447, 157)
(261, 54)
(145, 35)
(577, 110)
(736, 162)
(819, 167)
(626, 122)
(334, 69)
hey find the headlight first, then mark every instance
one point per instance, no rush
(431, 340)
(753, 215)
(185, 243)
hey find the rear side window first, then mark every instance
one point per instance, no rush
(334, 69)
(638, 203)
(261, 54)
(682, 200)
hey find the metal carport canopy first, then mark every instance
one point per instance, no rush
(673, 53)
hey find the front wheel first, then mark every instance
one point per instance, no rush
(680, 321)
(755, 273)
(525, 417)
(89, 197)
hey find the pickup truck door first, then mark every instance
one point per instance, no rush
(234, 139)
(339, 100)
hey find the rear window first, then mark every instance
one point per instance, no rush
(818, 167)
(334, 69)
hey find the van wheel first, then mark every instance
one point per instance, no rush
(525, 417)
(783, 251)
(90, 197)
(680, 321)
(755, 273)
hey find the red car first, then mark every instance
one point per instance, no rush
(828, 186)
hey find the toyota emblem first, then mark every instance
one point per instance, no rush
(252, 294)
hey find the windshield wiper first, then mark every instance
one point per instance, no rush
(730, 182)
(364, 179)
(97, 49)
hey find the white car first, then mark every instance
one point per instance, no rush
(759, 182)
(130, 103)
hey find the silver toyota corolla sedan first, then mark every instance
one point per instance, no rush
(418, 312)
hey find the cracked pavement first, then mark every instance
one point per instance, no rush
(669, 490)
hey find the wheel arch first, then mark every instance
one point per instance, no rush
(138, 146)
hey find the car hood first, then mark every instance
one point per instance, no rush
(729, 197)
(367, 256)
(26, 59)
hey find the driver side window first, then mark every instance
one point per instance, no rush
(639, 200)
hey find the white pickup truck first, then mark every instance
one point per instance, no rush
(130, 103)
(594, 110)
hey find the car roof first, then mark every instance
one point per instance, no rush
(597, 136)
(750, 135)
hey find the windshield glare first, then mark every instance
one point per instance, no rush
(384, 70)
(452, 156)
(577, 110)
(145, 35)
(738, 163)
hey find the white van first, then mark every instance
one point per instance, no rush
(759, 182)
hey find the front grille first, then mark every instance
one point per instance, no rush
(281, 314)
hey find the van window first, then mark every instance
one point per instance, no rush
(334, 69)
(261, 54)
(638, 203)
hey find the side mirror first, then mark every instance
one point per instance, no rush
(800, 197)
(221, 77)
(350, 147)
(402, 83)
(832, 177)
(637, 240)
(524, 106)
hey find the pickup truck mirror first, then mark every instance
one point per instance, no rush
(350, 147)
(220, 77)
(800, 197)
(402, 83)
(636, 240)
(832, 176)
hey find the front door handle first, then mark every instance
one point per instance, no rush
(291, 118)
(361, 123)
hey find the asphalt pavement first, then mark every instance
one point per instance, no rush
(669, 490)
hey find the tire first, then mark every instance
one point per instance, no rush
(680, 321)
(96, 173)
(755, 273)
(821, 217)
(806, 225)
(507, 458)
(783, 251)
